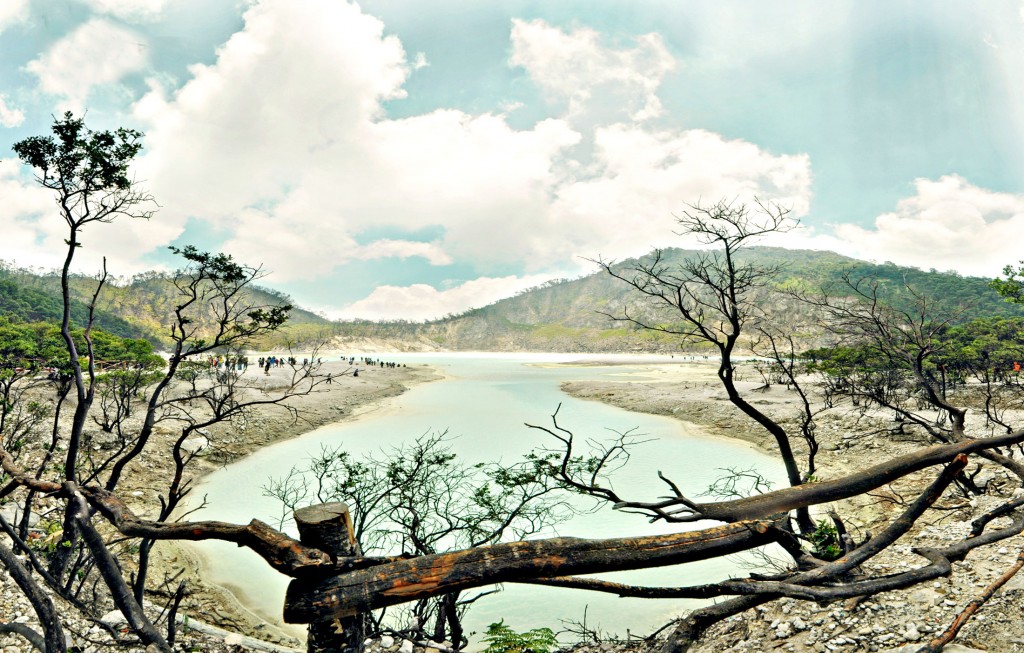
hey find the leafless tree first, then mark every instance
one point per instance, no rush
(716, 298)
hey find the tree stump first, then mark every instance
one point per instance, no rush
(328, 527)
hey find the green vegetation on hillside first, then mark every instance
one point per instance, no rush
(33, 345)
(28, 297)
(574, 315)
(137, 308)
(560, 315)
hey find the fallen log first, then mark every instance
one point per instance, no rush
(397, 582)
(309, 598)
(845, 487)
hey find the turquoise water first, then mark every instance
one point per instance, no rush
(483, 407)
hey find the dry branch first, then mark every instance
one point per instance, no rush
(281, 552)
(937, 644)
(848, 486)
(798, 585)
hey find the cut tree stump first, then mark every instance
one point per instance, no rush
(328, 527)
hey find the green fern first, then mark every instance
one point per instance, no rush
(502, 639)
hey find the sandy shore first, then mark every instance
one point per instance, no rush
(346, 398)
(688, 390)
(692, 393)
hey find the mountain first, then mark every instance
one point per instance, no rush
(564, 315)
(572, 315)
(139, 307)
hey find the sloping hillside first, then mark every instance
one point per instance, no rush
(568, 315)
(573, 315)
(139, 307)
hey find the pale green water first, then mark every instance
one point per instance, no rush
(484, 406)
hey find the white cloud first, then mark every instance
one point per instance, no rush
(422, 302)
(12, 11)
(129, 10)
(285, 101)
(646, 177)
(34, 233)
(96, 53)
(388, 248)
(295, 170)
(22, 197)
(575, 67)
(487, 184)
(948, 224)
(10, 116)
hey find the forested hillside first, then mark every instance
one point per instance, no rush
(564, 315)
(139, 307)
(29, 297)
(573, 315)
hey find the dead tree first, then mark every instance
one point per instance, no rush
(328, 527)
(714, 298)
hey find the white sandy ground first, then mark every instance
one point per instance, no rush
(689, 390)
(686, 390)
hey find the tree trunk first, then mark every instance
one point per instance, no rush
(328, 527)
(361, 590)
(53, 633)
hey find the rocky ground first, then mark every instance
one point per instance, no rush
(887, 621)
(347, 397)
(688, 391)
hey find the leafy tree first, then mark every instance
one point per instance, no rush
(421, 499)
(1011, 288)
(121, 387)
(88, 174)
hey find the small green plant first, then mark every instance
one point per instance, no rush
(502, 639)
(825, 540)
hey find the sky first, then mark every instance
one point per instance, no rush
(396, 159)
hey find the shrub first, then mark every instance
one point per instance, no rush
(502, 639)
